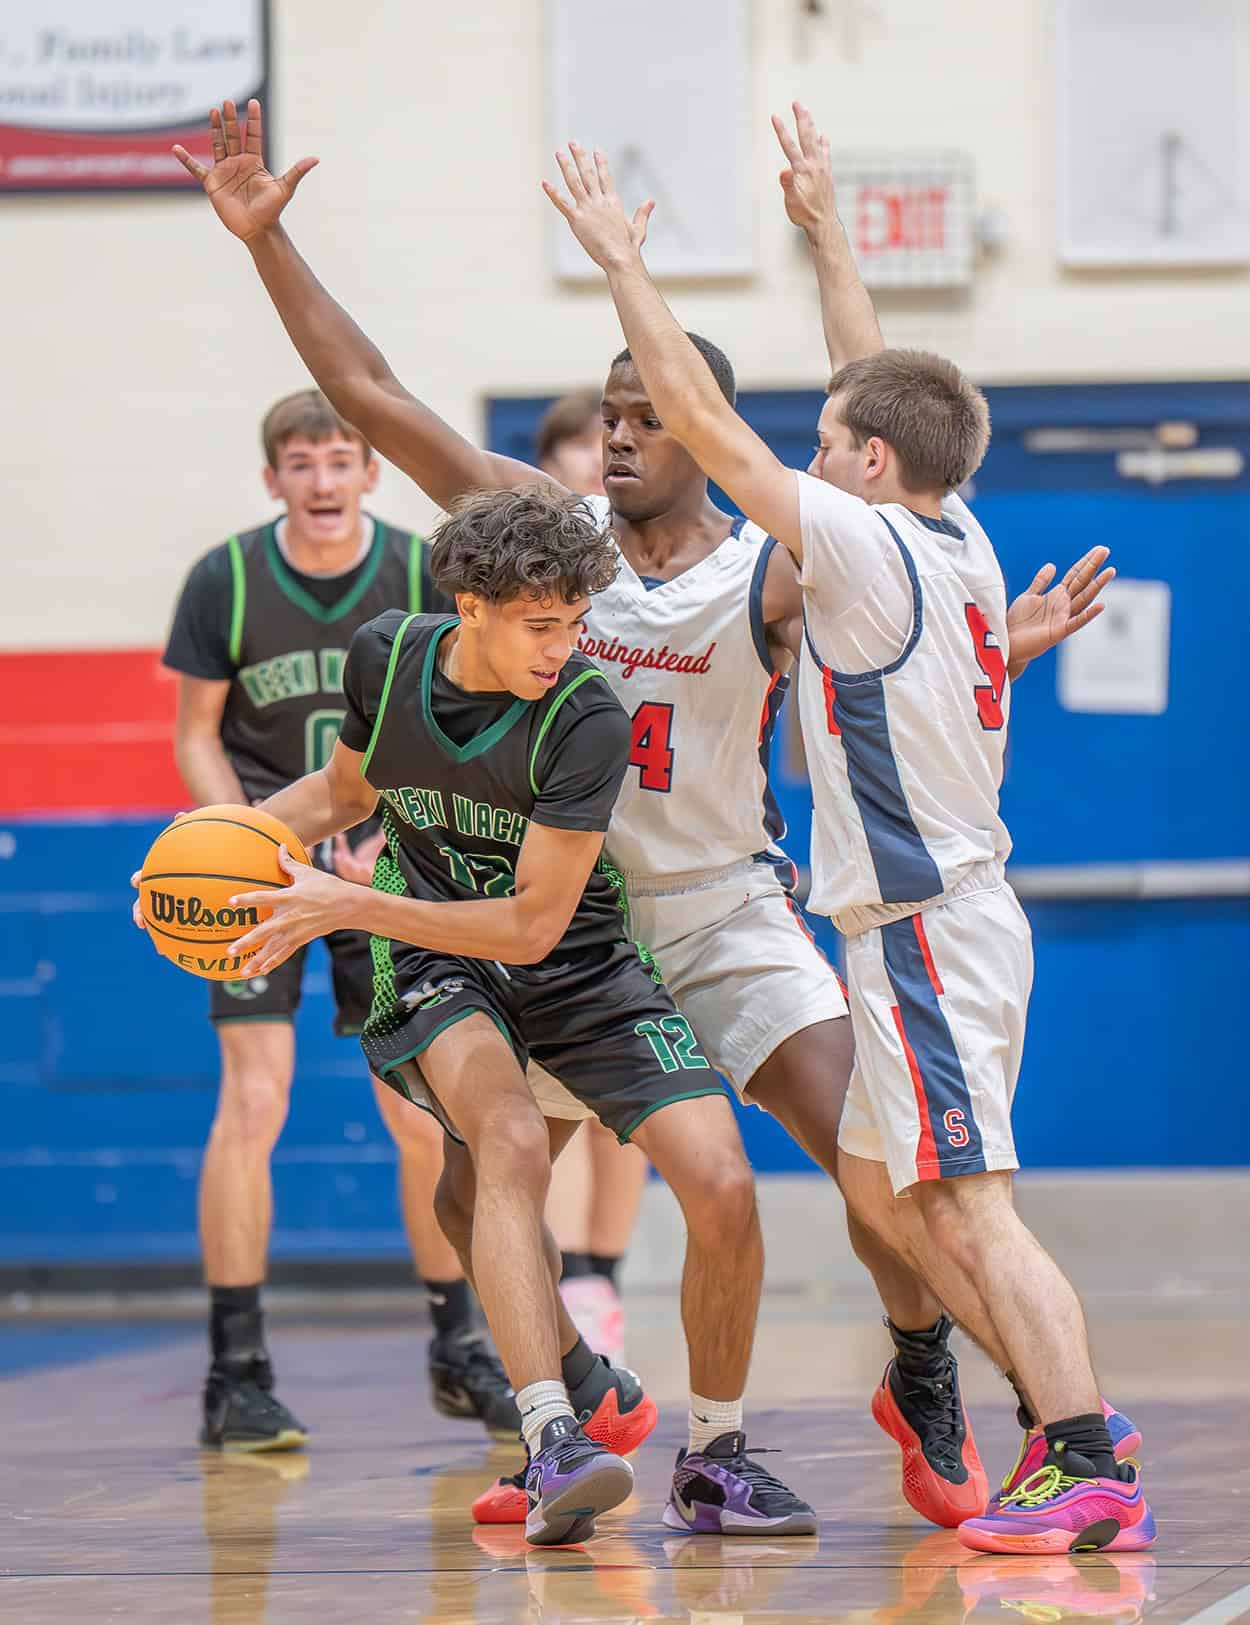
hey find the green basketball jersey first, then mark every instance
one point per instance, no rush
(456, 813)
(285, 702)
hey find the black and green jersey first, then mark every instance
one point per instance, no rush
(282, 637)
(461, 776)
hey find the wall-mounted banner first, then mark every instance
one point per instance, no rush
(93, 93)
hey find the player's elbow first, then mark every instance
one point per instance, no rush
(536, 936)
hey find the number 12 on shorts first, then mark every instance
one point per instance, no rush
(673, 1044)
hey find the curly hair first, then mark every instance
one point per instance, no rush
(532, 543)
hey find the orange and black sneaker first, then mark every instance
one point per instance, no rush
(611, 1408)
(923, 1412)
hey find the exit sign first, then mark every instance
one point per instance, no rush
(910, 220)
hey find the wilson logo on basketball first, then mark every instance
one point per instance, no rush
(190, 911)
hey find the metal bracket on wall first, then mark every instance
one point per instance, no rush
(1224, 877)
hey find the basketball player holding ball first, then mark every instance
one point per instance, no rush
(259, 640)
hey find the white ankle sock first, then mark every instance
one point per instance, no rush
(540, 1403)
(709, 1418)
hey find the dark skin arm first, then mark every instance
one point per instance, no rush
(349, 368)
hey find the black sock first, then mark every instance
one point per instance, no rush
(574, 1264)
(605, 1264)
(1081, 1446)
(577, 1364)
(236, 1328)
(923, 1353)
(1024, 1411)
(451, 1305)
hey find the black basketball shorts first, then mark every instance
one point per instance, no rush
(276, 997)
(602, 1023)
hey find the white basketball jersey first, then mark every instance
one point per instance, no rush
(903, 699)
(689, 661)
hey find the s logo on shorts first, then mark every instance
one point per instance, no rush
(430, 994)
(251, 988)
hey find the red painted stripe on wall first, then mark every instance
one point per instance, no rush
(87, 730)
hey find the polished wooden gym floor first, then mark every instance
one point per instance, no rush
(108, 1511)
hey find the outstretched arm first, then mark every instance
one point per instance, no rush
(1038, 620)
(348, 367)
(846, 310)
(679, 385)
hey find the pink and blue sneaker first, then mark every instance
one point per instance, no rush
(570, 1480)
(1125, 1440)
(722, 1490)
(1051, 1511)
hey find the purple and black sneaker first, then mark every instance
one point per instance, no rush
(723, 1491)
(569, 1481)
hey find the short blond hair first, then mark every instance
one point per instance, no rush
(921, 405)
(310, 414)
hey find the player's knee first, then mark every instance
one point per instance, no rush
(720, 1208)
(514, 1148)
(251, 1109)
(960, 1218)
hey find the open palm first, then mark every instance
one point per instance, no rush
(1039, 619)
(247, 198)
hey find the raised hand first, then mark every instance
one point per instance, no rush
(247, 198)
(807, 183)
(1039, 619)
(595, 214)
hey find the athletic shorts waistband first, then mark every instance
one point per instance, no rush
(692, 880)
(853, 922)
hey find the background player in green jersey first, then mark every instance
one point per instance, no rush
(259, 640)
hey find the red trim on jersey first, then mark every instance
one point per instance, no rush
(831, 695)
(776, 678)
(927, 1165)
(935, 981)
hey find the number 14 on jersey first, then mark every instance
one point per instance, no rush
(650, 750)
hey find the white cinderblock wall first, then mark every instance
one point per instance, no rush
(139, 350)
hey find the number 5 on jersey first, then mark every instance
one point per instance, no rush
(649, 749)
(993, 663)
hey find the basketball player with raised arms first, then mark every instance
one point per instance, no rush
(904, 697)
(696, 589)
(259, 637)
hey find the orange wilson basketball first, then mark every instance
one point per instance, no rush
(193, 869)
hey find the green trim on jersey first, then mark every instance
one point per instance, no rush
(480, 742)
(559, 700)
(386, 694)
(416, 590)
(304, 600)
(238, 581)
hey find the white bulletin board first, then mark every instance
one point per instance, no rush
(1154, 132)
(662, 87)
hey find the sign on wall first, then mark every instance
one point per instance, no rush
(1119, 664)
(910, 220)
(1154, 132)
(674, 118)
(93, 93)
